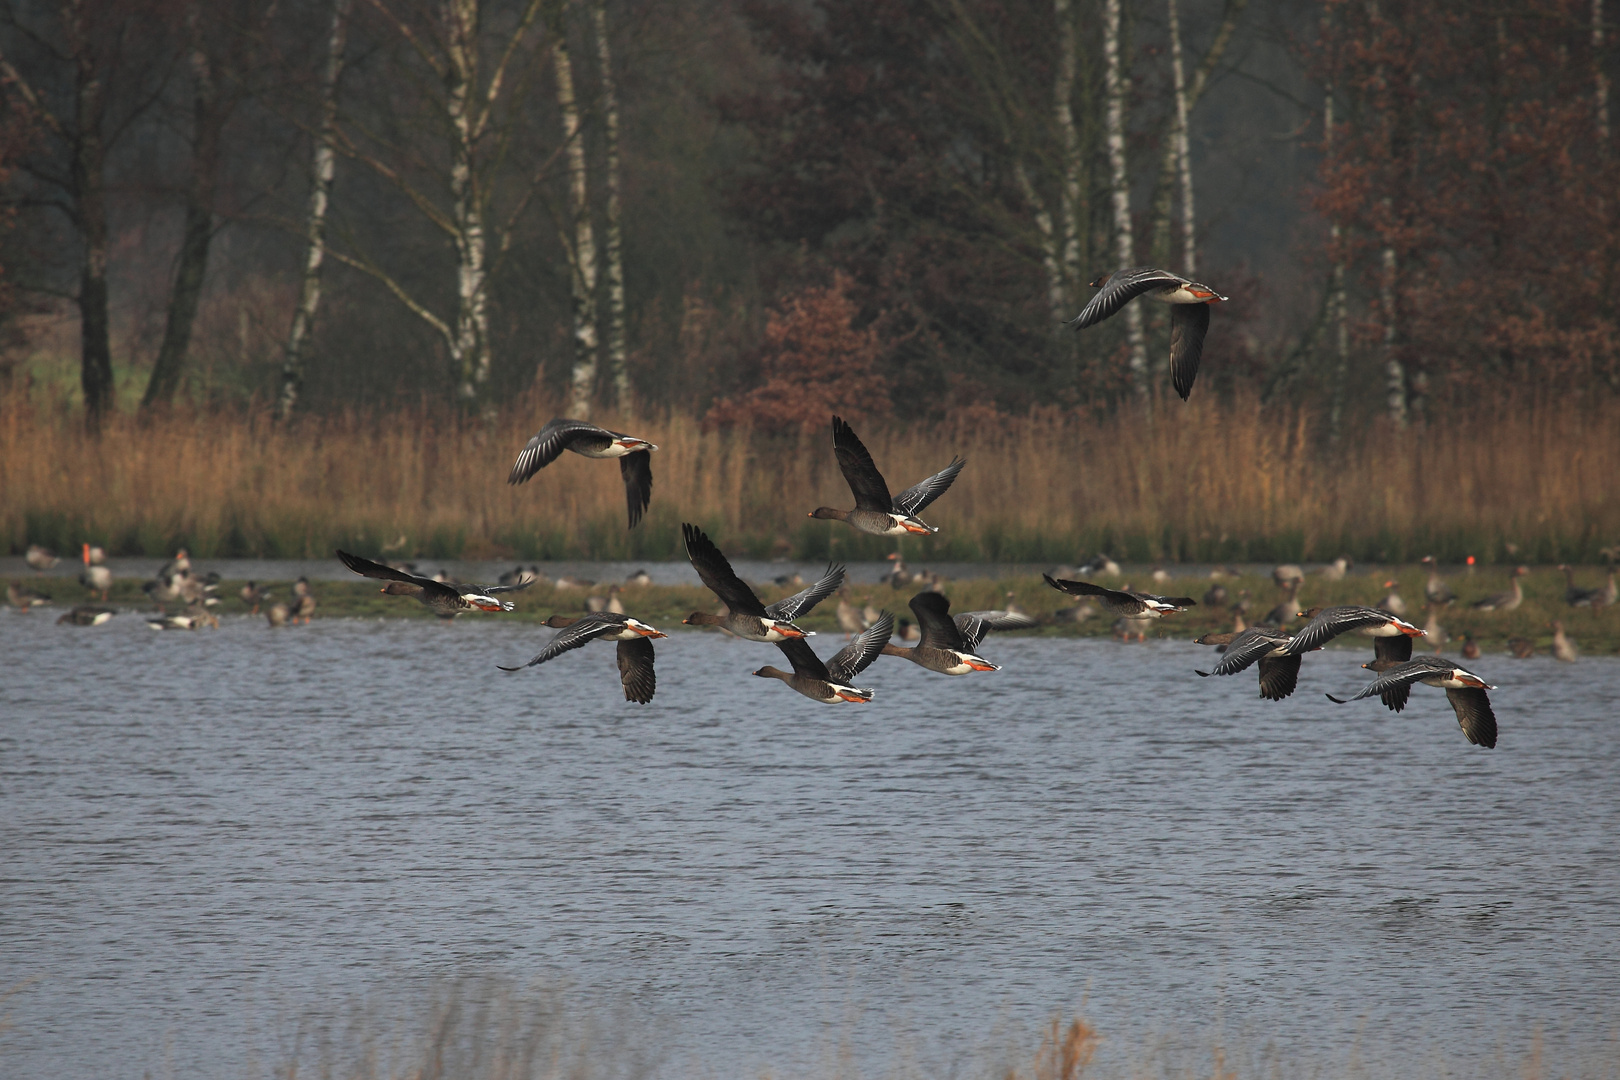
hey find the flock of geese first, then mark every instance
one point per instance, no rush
(947, 644)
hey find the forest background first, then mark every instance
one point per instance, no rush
(284, 275)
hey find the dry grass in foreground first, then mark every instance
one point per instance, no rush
(1206, 482)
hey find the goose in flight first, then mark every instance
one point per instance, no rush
(949, 646)
(876, 511)
(1279, 669)
(1392, 637)
(829, 683)
(635, 648)
(746, 617)
(1189, 313)
(445, 601)
(1131, 605)
(1464, 689)
(635, 457)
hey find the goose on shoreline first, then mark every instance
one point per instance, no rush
(876, 511)
(1505, 601)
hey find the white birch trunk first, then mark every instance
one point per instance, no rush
(1063, 112)
(323, 169)
(1600, 78)
(614, 245)
(582, 249)
(1120, 183)
(469, 349)
(1056, 295)
(1189, 254)
(1394, 370)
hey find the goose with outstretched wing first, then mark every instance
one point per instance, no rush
(588, 440)
(1189, 313)
(831, 683)
(876, 511)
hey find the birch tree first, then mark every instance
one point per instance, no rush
(1600, 78)
(475, 112)
(1338, 314)
(615, 240)
(581, 248)
(1189, 254)
(1120, 186)
(322, 172)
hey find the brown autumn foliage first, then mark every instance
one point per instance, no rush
(813, 363)
(1476, 151)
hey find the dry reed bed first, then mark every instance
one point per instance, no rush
(1205, 481)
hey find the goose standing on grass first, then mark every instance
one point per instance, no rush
(1578, 597)
(876, 512)
(1100, 565)
(1392, 637)
(303, 605)
(1189, 313)
(635, 648)
(1505, 601)
(1611, 592)
(1562, 647)
(1521, 648)
(1123, 602)
(95, 575)
(445, 601)
(40, 559)
(1338, 569)
(86, 615)
(1464, 689)
(947, 645)
(829, 683)
(1288, 609)
(1435, 590)
(746, 615)
(23, 598)
(1392, 601)
(588, 440)
(1279, 669)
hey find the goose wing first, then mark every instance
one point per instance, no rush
(582, 632)
(1474, 715)
(550, 441)
(387, 573)
(1188, 325)
(853, 658)
(1398, 649)
(860, 471)
(1120, 289)
(1402, 677)
(1333, 621)
(636, 469)
(800, 603)
(911, 501)
(974, 625)
(1120, 603)
(804, 659)
(636, 670)
(1279, 675)
(715, 571)
(933, 613)
(1245, 649)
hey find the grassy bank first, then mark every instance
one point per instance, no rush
(1596, 632)
(1207, 482)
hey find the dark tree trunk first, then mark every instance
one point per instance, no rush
(89, 161)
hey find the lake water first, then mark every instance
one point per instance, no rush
(216, 842)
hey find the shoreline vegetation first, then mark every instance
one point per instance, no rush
(1211, 481)
(1596, 631)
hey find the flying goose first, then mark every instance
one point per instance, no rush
(947, 645)
(746, 617)
(1279, 669)
(445, 601)
(1189, 313)
(1464, 689)
(1392, 637)
(634, 454)
(635, 648)
(1132, 605)
(876, 511)
(829, 683)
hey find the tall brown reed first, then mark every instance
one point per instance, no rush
(1204, 481)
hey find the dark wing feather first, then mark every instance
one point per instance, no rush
(1396, 684)
(974, 625)
(1473, 709)
(1188, 325)
(1332, 622)
(1119, 290)
(378, 570)
(804, 659)
(717, 575)
(1120, 603)
(636, 670)
(1398, 649)
(914, 499)
(1278, 676)
(636, 469)
(586, 630)
(550, 441)
(1245, 649)
(860, 471)
(853, 658)
(933, 613)
(800, 603)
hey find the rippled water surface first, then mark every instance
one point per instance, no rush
(208, 836)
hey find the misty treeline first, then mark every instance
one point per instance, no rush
(762, 211)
